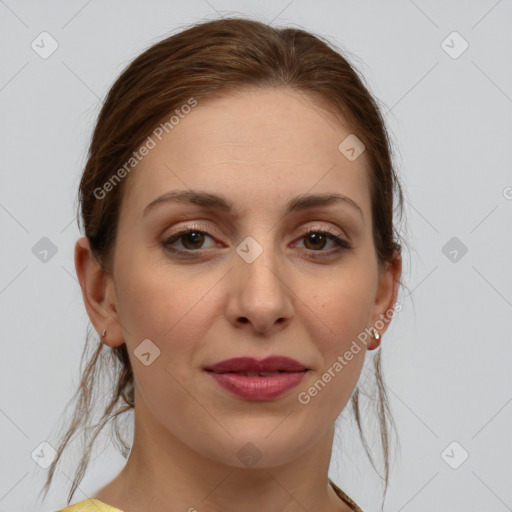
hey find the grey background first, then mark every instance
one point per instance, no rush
(446, 355)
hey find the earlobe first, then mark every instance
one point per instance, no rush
(96, 294)
(387, 292)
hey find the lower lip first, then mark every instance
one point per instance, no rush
(258, 388)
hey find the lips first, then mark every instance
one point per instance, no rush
(252, 367)
(250, 379)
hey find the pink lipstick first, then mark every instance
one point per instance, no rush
(255, 380)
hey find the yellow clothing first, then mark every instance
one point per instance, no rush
(92, 505)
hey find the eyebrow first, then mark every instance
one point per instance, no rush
(221, 203)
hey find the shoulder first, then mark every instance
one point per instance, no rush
(90, 505)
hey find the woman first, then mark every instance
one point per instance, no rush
(239, 260)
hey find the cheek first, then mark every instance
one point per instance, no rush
(338, 313)
(165, 306)
(347, 314)
(343, 304)
(166, 310)
(152, 298)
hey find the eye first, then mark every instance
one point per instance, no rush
(315, 240)
(191, 240)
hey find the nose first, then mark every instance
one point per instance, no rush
(260, 293)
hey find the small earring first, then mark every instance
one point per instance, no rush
(376, 336)
(103, 333)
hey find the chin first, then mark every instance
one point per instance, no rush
(262, 448)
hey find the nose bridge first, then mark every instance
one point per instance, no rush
(258, 262)
(259, 292)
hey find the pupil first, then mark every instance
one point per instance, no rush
(196, 237)
(319, 238)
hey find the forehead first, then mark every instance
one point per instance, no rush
(259, 147)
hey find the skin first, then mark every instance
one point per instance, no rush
(215, 305)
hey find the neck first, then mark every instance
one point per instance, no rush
(163, 472)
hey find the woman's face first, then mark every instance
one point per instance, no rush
(214, 295)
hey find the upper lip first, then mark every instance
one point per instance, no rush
(249, 364)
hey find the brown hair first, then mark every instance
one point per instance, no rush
(206, 60)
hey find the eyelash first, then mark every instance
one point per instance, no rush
(342, 244)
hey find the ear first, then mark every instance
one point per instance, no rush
(98, 293)
(385, 297)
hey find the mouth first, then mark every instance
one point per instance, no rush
(253, 380)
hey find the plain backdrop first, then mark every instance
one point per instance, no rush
(442, 72)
